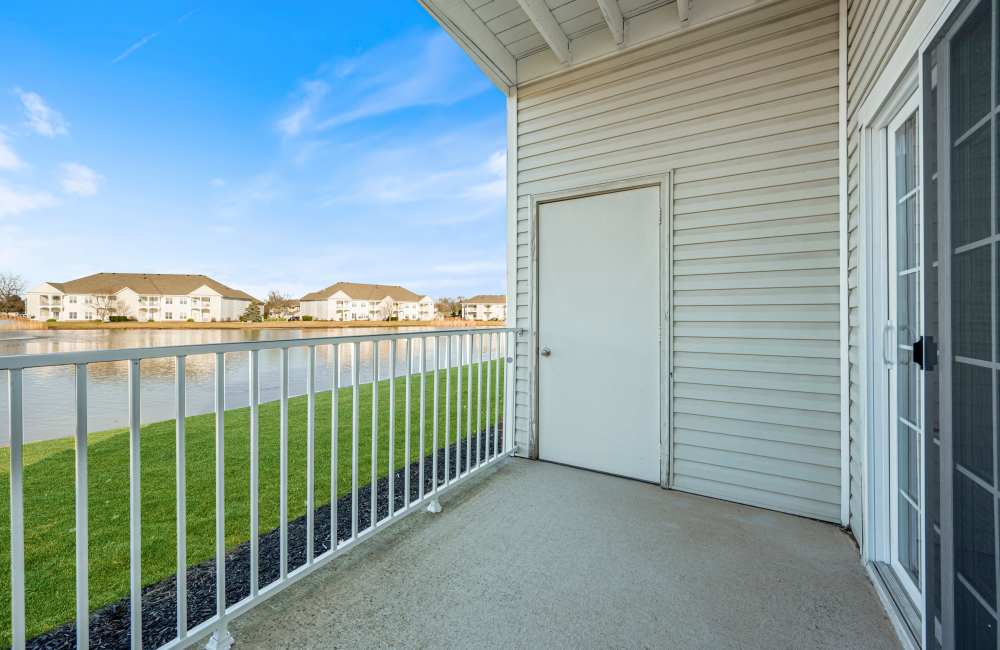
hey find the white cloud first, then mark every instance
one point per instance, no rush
(312, 93)
(41, 118)
(134, 47)
(15, 201)
(426, 69)
(79, 179)
(217, 182)
(8, 158)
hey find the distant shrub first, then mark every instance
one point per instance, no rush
(51, 320)
(307, 318)
(190, 320)
(118, 319)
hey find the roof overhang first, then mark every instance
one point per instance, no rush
(516, 42)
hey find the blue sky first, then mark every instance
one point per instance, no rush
(271, 145)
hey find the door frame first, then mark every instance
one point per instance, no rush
(664, 182)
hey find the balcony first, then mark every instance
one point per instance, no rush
(541, 555)
(517, 552)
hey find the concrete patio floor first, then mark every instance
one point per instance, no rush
(539, 555)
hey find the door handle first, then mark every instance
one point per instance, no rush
(888, 344)
(925, 353)
(546, 352)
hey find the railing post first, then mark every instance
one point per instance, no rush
(310, 451)
(392, 427)
(180, 481)
(16, 416)
(221, 639)
(135, 507)
(406, 423)
(283, 469)
(435, 504)
(254, 381)
(82, 535)
(334, 452)
(355, 422)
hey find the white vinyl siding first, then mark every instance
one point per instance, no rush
(874, 29)
(744, 111)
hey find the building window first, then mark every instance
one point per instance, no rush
(184, 315)
(169, 315)
(89, 316)
(72, 300)
(72, 315)
(168, 301)
(183, 301)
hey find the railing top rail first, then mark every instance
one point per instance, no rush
(21, 361)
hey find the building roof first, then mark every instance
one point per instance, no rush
(361, 291)
(483, 299)
(169, 284)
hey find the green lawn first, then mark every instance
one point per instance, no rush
(49, 491)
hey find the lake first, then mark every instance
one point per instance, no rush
(49, 397)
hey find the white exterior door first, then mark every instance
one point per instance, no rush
(598, 332)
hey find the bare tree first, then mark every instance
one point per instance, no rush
(449, 307)
(11, 293)
(277, 303)
(106, 306)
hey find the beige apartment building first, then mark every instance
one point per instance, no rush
(142, 296)
(349, 301)
(485, 307)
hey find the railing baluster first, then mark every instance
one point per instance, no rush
(15, 392)
(334, 451)
(254, 472)
(135, 509)
(468, 419)
(447, 412)
(283, 470)
(480, 439)
(406, 423)
(220, 634)
(355, 423)
(458, 410)
(180, 469)
(434, 443)
(423, 394)
(373, 486)
(310, 451)
(489, 393)
(392, 426)
(508, 434)
(496, 397)
(82, 537)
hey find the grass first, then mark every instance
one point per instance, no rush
(50, 495)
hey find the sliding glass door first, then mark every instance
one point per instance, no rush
(962, 492)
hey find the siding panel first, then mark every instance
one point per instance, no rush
(744, 112)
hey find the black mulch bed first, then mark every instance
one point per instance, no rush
(109, 626)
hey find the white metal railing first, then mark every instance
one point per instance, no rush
(485, 349)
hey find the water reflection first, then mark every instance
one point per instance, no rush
(49, 402)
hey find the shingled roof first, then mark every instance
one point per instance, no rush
(168, 284)
(361, 291)
(482, 299)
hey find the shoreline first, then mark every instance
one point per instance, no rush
(237, 325)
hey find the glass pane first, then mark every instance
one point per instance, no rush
(909, 540)
(974, 626)
(907, 233)
(908, 389)
(970, 71)
(906, 157)
(972, 424)
(909, 463)
(975, 552)
(908, 308)
(970, 188)
(971, 304)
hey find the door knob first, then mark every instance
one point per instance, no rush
(546, 352)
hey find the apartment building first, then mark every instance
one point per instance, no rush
(142, 296)
(350, 301)
(485, 307)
